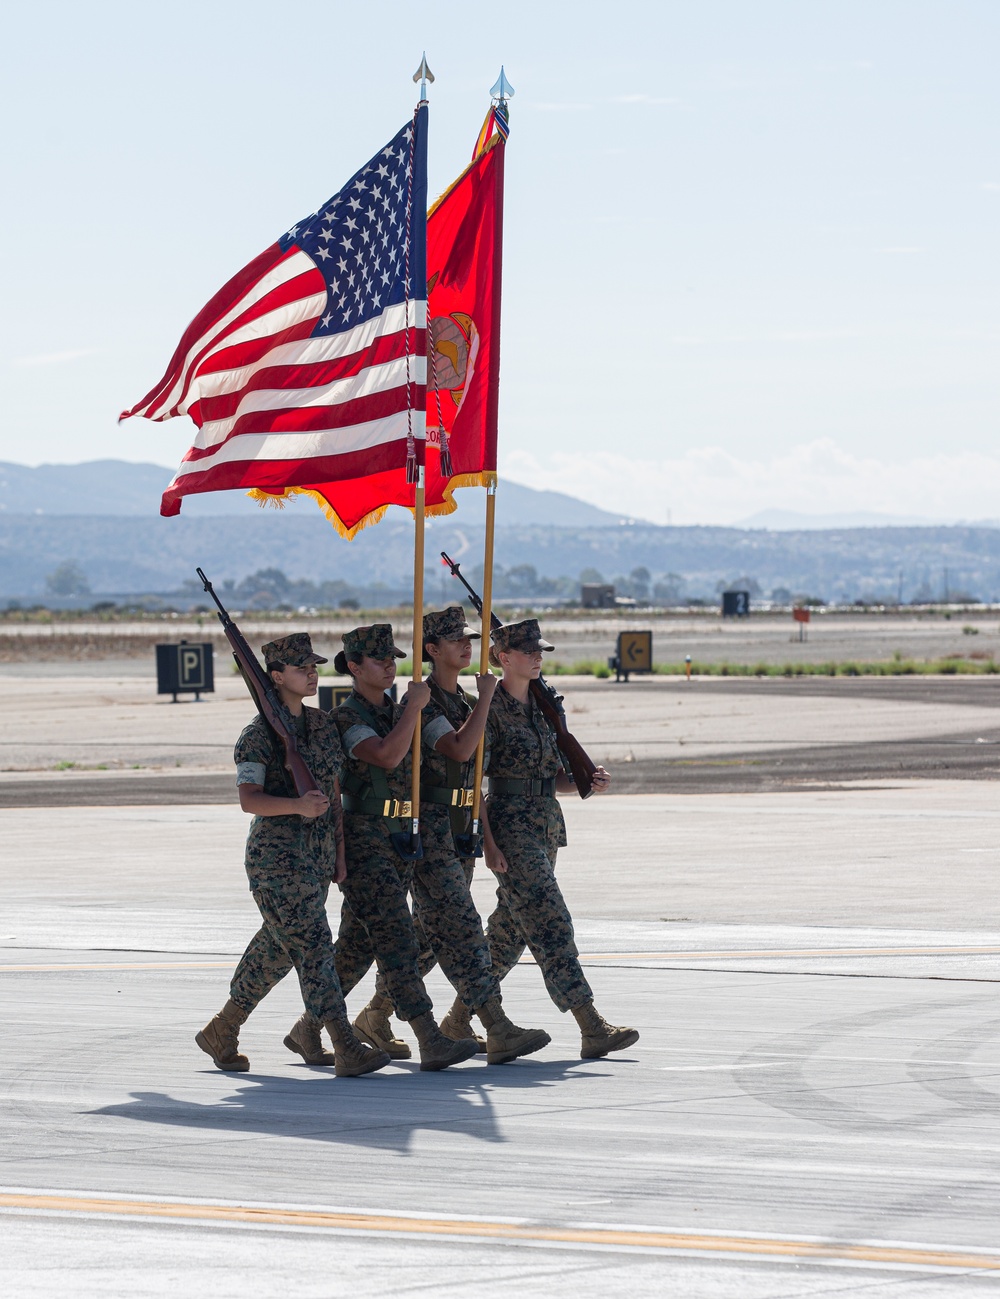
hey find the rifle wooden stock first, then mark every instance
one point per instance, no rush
(575, 757)
(579, 765)
(264, 695)
(293, 761)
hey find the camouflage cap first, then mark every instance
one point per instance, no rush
(294, 651)
(449, 624)
(525, 636)
(375, 641)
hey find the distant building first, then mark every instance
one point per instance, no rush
(597, 595)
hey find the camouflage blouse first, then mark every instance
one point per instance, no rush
(446, 712)
(354, 729)
(280, 846)
(521, 745)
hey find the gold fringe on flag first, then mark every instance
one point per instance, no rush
(276, 500)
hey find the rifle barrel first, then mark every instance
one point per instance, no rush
(224, 617)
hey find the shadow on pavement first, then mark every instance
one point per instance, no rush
(381, 1111)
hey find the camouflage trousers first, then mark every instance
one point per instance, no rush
(531, 912)
(447, 925)
(375, 921)
(295, 934)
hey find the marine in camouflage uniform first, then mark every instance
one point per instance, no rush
(525, 770)
(375, 922)
(445, 915)
(291, 859)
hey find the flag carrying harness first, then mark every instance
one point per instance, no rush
(372, 796)
(454, 795)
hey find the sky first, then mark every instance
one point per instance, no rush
(750, 248)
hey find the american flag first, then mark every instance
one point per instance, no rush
(464, 266)
(310, 364)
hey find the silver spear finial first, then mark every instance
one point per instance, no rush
(423, 74)
(503, 90)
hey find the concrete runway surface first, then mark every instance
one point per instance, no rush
(813, 1108)
(70, 739)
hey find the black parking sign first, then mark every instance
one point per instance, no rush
(331, 697)
(185, 669)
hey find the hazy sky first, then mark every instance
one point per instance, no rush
(751, 255)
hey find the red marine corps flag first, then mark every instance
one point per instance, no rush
(310, 364)
(464, 244)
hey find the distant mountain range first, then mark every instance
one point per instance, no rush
(103, 517)
(118, 487)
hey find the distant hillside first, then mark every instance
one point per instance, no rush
(129, 555)
(119, 488)
(796, 521)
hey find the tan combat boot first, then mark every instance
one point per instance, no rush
(600, 1037)
(505, 1041)
(436, 1050)
(352, 1056)
(373, 1027)
(458, 1024)
(220, 1038)
(306, 1040)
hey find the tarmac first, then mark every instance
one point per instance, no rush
(811, 960)
(76, 738)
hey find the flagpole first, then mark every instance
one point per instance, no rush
(423, 74)
(418, 640)
(500, 94)
(484, 649)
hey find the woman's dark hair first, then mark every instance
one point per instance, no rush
(430, 640)
(275, 667)
(341, 660)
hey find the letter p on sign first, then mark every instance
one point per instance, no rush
(190, 667)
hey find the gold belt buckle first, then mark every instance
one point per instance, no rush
(393, 808)
(465, 797)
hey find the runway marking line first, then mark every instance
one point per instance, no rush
(904, 1255)
(791, 953)
(119, 965)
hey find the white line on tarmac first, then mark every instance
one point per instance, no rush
(794, 1057)
(708, 1068)
(756, 954)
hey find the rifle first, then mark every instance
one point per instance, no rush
(549, 700)
(264, 695)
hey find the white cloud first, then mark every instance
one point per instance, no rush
(54, 358)
(712, 486)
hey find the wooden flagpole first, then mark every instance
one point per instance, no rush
(418, 427)
(484, 649)
(418, 641)
(500, 94)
